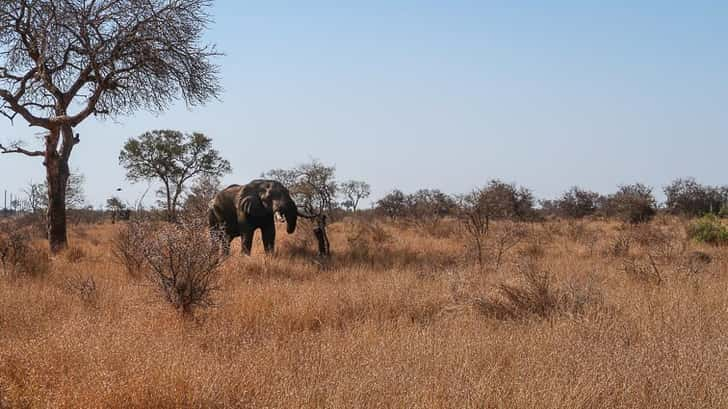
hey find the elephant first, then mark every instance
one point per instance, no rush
(241, 210)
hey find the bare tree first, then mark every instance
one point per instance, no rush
(36, 197)
(75, 198)
(173, 158)
(354, 191)
(201, 193)
(475, 216)
(313, 187)
(64, 61)
(37, 193)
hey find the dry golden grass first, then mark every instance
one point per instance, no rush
(395, 319)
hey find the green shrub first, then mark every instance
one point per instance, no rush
(709, 229)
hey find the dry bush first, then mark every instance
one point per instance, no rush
(19, 257)
(128, 245)
(491, 243)
(619, 246)
(181, 260)
(651, 253)
(184, 264)
(536, 297)
(84, 288)
(366, 241)
(695, 262)
(643, 269)
(504, 237)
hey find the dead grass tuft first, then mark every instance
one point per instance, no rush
(536, 297)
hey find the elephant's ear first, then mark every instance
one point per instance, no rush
(252, 206)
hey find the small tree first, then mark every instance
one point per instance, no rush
(499, 200)
(36, 197)
(429, 206)
(577, 203)
(393, 204)
(690, 198)
(116, 206)
(632, 203)
(174, 159)
(312, 185)
(62, 62)
(354, 191)
(475, 217)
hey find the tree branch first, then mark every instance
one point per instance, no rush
(18, 149)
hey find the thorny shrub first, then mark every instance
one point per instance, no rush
(84, 288)
(128, 245)
(180, 260)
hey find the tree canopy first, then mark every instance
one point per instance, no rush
(174, 159)
(62, 62)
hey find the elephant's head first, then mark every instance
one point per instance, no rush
(265, 197)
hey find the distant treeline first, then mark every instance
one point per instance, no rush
(633, 203)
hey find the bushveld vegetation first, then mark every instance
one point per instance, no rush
(575, 312)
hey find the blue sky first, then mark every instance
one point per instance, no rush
(447, 95)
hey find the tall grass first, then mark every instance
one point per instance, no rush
(399, 318)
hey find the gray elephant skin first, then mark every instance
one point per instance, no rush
(241, 210)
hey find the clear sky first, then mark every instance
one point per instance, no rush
(449, 94)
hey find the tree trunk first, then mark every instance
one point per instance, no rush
(57, 175)
(170, 216)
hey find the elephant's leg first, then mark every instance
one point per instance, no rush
(246, 241)
(269, 238)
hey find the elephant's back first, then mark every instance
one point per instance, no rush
(224, 204)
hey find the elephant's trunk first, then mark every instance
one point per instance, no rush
(288, 209)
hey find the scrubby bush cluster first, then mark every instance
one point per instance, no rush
(575, 203)
(181, 260)
(709, 229)
(498, 200)
(536, 297)
(689, 198)
(18, 256)
(633, 203)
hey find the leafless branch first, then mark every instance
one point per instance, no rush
(17, 149)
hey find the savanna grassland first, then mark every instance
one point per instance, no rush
(577, 314)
